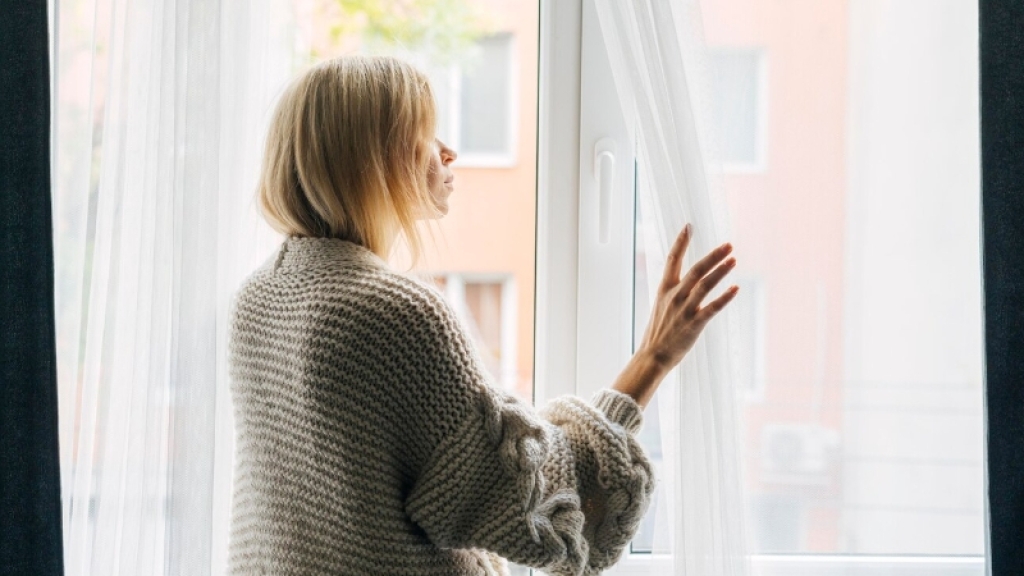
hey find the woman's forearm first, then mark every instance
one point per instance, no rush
(641, 377)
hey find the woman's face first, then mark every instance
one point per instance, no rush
(440, 179)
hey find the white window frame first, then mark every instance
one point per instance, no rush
(468, 158)
(823, 565)
(570, 360)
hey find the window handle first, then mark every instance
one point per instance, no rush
(604, 172)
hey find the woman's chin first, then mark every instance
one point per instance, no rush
(435, 213)
(442, 208)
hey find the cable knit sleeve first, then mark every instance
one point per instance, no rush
(562, 489)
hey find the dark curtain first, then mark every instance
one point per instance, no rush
(1002, 151)
(30, 514)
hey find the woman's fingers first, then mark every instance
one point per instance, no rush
(673, 266)
(717, 305)
(677, 318)
(707, 284)
(700, 269)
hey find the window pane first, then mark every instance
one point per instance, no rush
(735, 85)
(858, 324)
(488, 311)
(483, 237)
(441, 83)
(486, 96)
(492, 238)
(483, 302)
(481, 254)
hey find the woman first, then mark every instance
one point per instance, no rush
(368, 438)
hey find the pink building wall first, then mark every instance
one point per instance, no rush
(491, 219)
(788, 226)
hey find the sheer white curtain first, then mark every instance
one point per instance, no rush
(160, 108)
(657, 58)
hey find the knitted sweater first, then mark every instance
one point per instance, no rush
(369, 439)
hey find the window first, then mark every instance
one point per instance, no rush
(749, 331)
(860, 383)
(739, 105)
(486, 305)
(861, 386)
(124, 508)
(478, 105)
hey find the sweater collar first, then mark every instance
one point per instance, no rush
(298, 252)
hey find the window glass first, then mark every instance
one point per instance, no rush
(477, 106)
(486, 93)
(484, 305)
(748, 343)
(464, 45)
(857, 330)
(736, 88)
(441, 80)
(481, 254)
(487, 309)
(485, 244)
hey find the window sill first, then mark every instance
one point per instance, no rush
(826, 565)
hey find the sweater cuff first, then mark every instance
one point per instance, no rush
(620, 409)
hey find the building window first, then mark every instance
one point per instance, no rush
(738, 110)
(486, 305)
(476, 104)
(748, 328)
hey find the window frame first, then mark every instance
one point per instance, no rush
(823, 565)
(564, 355)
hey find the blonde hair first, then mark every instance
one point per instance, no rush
(348, 152)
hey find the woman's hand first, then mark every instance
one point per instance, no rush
(678, 316)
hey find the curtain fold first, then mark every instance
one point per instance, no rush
(658, 64)
(161, 109)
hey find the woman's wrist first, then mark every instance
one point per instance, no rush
(641, 377)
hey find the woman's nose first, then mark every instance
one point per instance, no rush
(448, 155)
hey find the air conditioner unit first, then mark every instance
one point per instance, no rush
(795, 453)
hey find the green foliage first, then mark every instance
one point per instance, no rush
(440, 31)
